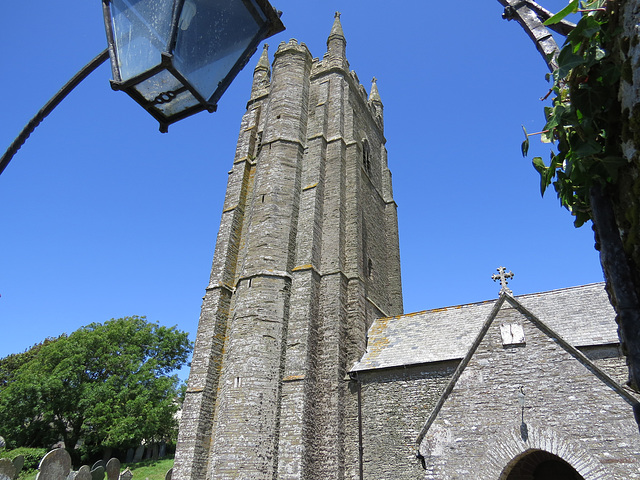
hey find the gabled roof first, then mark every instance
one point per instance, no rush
(500, 311)
(580, 315)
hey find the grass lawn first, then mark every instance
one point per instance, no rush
(146, 469)
(151, 469)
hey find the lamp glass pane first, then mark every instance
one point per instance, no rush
(166, 93)
(141, 29)
(212, 36)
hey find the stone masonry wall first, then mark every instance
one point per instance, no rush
(610, 359)
(196, 423)
(395, 403)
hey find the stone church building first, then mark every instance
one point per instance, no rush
(305, 366)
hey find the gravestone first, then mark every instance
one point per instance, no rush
(99, 463)
(7, 469)
(2, 443)
(126, 475)
(97, 473)
(138, 455)
(18, 462)
(113, 469)
(84, 473)
(55, 465)
(169, 474)
(163, 449)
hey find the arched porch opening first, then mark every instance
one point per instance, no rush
(540, 465)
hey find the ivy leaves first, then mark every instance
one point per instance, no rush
(571, 8)
(582, 117)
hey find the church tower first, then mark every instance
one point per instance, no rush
(306, 258)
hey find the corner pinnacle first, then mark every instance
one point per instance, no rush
(263, 63)
(336, 29)
(374, 95)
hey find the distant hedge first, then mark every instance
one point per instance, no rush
(32, 456)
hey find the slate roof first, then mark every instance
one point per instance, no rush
(581, 315)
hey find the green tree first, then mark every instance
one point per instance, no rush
(11, 363)
(109, 385)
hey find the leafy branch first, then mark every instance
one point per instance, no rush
(581, 123)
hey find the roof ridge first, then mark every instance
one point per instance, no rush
(484, 302)
(562, 289)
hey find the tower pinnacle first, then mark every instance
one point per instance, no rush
(261, 74)
(337, 45)
(374, 96)
(336, 29)
(376, 102)
(263, 63)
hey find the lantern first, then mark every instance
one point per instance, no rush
(177, 57)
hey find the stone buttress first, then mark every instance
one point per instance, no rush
(307, 256)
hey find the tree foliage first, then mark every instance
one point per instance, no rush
(583, 120)
(593, 122)
(11, 363)
(108, 385)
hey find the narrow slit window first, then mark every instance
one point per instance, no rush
(259, 146)
(366, 155)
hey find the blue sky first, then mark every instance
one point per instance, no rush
(102, 216)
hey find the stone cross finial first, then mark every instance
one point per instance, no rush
(502, 276)
(337, 15)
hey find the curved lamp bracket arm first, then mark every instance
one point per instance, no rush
(49, 106)
(531, 17)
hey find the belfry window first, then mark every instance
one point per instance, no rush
(366, 156)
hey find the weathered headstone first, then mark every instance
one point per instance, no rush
(99, 463)
(113, 469)
(2, 443)
(7, 469)
(169, 474)
(84, 473)
(163, 449)
(18, 462)
(55, 465)
(130, 452)
(97, 473)
(126, 475)
(139, 453)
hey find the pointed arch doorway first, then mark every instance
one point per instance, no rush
(539, 465)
